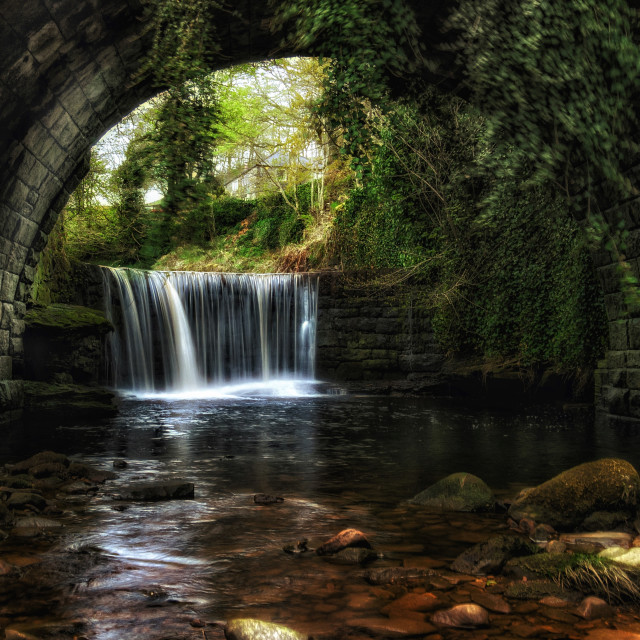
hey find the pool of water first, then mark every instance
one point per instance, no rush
(338, 461)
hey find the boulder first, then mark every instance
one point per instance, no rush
(462, 616)
(352, 555)
(457, 492)
(39, 459)
(342, 540)
(154, 491)
(569, 498)
(22, 499)
(620, 555)
(83, 470)
(252, 629)
(489, 557)
(596, 539)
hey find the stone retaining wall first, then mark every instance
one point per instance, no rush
(368, 332)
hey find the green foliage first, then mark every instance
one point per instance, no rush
(368, 42)
(558, 82)
(512, 279)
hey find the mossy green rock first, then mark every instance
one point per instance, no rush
(68, 401)
(489, 557)
(457, 492)
(66, 317)
(566, 500)
(251, 629)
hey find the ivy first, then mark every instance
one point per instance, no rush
(558, 83)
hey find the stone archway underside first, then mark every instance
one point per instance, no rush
(70, 69)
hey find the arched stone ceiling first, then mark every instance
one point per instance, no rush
(69, 70)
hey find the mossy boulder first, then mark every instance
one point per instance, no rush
(457, 492)
(63, 318)
(569, 498)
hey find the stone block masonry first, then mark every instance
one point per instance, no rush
(368, 332)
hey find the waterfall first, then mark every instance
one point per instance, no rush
(182, 331)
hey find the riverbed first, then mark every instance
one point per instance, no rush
(180, 569)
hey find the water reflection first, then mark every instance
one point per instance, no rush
(338, 461)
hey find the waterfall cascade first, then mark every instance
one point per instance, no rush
(181, 331)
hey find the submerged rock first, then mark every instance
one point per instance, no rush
(300, 546)
(591, 608)
(263, 498)
(457, 492)
(342, 540)
(462, 616)
(352, 555)
(154, 491)
(569, 498)
(399, 575)
(39, 460)
(489, 557)
(252, 629)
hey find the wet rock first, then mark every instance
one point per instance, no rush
(541, 565)
(611, 634)
(489, 557)
(533, 590)
(597, 539)
(620, 555)
(299, 546)
(34, 526)
(78, 488)
(462, 616)
(263, 498)
(20, 481)
(6, 516)
(555, 546)
(592, 608)
(490, 601)
(554, 601)
(82, 470)
(120, 464)
(44, 457)
(604, 520)
(392, 627)
(569, 498)
(457, 492)
(22, 499)
(399, 575)
(251, 629)
(421, 602)
(543, 533)
(154, 491)
(48, 469)
(352, 555)
(344, 539)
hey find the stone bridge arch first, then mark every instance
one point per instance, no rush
(70, 69)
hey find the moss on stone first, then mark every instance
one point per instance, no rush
(68, 401)
(66, 317)
(568, 498)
